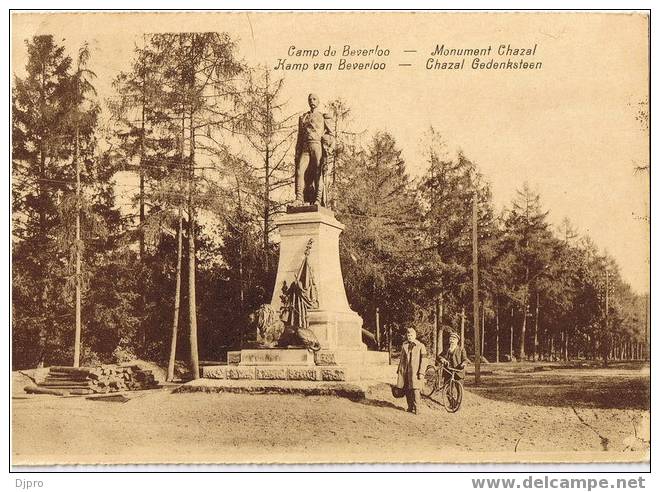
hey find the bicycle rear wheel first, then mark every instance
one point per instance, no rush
(430, 381)
(453, 396)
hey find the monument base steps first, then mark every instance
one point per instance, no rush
(282, 373)
(352, 391)
(296, 364)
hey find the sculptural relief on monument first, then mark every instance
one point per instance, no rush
(298, 297)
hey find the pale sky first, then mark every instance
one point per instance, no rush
(568, 129)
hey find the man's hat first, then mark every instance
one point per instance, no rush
(455, 335)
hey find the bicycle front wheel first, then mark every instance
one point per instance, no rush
(430, 381)
(453, 396)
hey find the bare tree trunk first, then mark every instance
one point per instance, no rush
(241, 286)
(192, 298)
(497, 331)
(78, 246)
(41, 186)
(511, 337)
(436, 330)
(463, 327)
(552, 347)
(536, 329)
(267, 175)
(177, 299)
(483, 329)
(179, 258)
(646, 328)
(266, 206)
(523, 329)
(142, 215)
(141, 196)
(441, 311)
(475, 292)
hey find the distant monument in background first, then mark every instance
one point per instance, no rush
(308, 331)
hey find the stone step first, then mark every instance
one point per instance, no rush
(352, 391)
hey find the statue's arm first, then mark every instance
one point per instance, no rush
(328, 133)
(299, 139)
(329, 124)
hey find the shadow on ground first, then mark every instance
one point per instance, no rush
(604, 388)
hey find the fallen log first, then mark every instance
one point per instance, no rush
(66, 377)
(65, 387)
(34, 389)
(70, 370)
(67, 383)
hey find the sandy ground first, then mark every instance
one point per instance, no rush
(160, 427)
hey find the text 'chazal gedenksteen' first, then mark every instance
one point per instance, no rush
(441, 57)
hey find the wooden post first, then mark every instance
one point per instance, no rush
(475, 293)
(378, 327)
(389, 344)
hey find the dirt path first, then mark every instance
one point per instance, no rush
(158, 426)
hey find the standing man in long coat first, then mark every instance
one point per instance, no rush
(410, 372)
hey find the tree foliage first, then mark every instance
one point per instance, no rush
(196, 145)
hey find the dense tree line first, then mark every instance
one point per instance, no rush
(145, 222)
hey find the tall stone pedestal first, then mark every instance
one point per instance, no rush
(342, 356)
(337, 327)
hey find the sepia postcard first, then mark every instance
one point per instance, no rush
(330, 237)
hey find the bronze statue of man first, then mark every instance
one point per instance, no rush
(315, 140)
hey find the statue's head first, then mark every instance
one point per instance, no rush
(313, 101)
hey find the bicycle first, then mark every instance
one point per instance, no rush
(452, 388)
